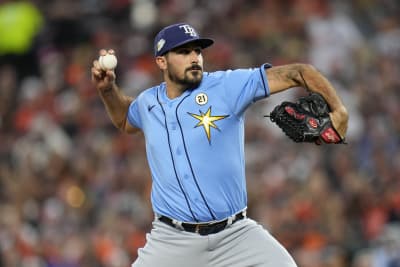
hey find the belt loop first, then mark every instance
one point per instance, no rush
(178, 224)
(230, 220)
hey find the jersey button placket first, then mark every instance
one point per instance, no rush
(173, 126)
(184, 165)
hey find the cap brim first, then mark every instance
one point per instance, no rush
(203, 42)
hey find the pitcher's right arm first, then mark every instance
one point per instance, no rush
(115, 102)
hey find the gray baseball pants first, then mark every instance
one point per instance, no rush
(243, 244)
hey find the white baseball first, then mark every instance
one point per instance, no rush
(108, 62)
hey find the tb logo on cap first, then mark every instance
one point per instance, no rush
(188, 30)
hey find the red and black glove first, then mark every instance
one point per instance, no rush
(307, 120)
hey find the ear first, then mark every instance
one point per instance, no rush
(161, 62)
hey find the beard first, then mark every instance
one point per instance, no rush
(191, 78)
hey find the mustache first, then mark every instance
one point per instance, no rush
(194, 67)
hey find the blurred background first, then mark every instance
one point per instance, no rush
(74, 192)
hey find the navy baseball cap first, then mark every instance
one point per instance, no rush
(176, 35)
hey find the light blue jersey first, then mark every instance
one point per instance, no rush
(197, 166)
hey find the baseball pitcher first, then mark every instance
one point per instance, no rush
(193, 124)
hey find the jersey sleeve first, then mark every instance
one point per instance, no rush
(134, 114)
(245, 86)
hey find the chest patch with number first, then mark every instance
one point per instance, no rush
(201, 99)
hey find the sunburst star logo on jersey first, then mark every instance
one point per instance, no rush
(207, 121)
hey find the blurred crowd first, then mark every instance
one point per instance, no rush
(74, 191)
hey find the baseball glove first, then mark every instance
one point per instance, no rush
(307, 120)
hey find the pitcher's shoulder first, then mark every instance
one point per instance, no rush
(151, 92)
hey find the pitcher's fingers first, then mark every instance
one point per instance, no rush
(111, 51)
(110, 75)
(96, 74)
(96, 64)
(102, 52)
